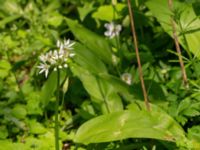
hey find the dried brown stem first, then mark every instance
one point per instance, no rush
(178, 49)
(138, 56)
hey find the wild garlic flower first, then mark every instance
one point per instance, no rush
(58, 58)
(112, 29)
(127, 77)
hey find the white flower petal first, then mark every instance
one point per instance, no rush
(58, 43)
(72, 54)
(65, 65)
(112, 29)
(46, 73)
(41, 71)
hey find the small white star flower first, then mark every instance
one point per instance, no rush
(57, 59)
(44, 68)
(127, 77)
(112, 29)
(43, 58)
(68, 44)
(58, 43)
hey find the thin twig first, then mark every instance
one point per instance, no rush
(138, 56)
(178, 49)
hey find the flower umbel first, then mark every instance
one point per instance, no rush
(112, 29)
(58, 58)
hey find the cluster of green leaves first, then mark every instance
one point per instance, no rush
(98, 110)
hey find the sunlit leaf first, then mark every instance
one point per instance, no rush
(131, 123)
(110, 13)
(88, 60)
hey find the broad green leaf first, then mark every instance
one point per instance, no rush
(110, 13)
(132, 123)
(96, 44)
(188, 20)
(49, 87)
(88, 60)
(99, 89)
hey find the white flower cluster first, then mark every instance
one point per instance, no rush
(58, 58)
(112, 29)
(127, 77)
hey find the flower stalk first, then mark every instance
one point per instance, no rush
(56, 127)
(56, 60)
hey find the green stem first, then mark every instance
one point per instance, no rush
(117, 40)
(56, 112)
(118, 66)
